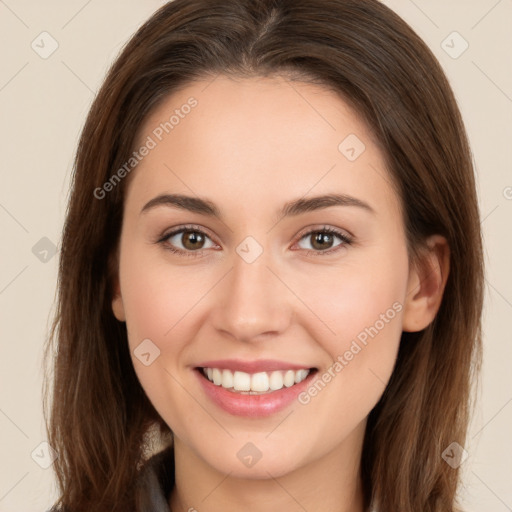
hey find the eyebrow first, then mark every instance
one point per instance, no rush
(292, 208)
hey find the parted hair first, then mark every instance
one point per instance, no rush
(96, 411)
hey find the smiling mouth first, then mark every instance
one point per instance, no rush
(255, 383)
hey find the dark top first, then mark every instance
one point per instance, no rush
(154, 484)
(156, 480)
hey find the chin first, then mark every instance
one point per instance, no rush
(256, 457)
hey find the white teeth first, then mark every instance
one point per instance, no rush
(301, 375)
(217, 377)
(241, 381)
(276, 380)
(227, 379)
(260, 382)
(289, 378)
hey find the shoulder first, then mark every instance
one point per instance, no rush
(155, 482)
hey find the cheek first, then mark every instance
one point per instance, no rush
(360, 300)
(361, 303)
(156, 295)
(163, 303)
(158, 304)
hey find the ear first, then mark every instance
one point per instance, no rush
(117, 299)
(117, 302)
(426, 284)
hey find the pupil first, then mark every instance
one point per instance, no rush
(192, 238)
(322, 237)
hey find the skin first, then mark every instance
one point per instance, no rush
(250, 146)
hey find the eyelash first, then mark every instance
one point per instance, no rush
(195, 229)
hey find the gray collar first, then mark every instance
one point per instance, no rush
(155, 482)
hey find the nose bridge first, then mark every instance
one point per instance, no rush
(254, 301)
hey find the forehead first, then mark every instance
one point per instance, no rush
(262, 106)
(266, 136)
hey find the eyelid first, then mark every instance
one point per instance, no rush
(325, 227)
(186, 227)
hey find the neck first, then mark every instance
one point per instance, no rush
(331, 483)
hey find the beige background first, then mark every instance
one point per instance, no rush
(44, 103)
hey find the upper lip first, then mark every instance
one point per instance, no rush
(262, 365)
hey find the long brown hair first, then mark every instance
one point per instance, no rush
(99, 414)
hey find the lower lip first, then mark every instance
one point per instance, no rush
(254, 406)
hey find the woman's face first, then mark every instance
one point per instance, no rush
(258, 290)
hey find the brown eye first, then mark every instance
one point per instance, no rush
(321, 240)
(192, 240)
(187, 241)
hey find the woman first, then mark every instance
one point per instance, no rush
(272, 254)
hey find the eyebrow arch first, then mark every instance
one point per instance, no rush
(292, 208)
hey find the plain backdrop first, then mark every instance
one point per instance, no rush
(44, 100)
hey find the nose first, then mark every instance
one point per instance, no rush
(253, 303)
